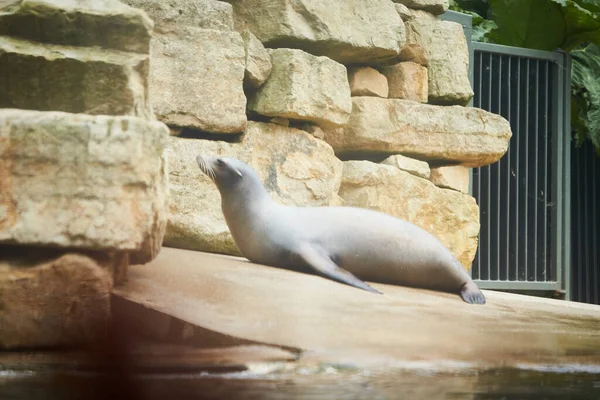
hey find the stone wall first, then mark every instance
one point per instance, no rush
(340, 108)
(83, 178)
(332, 102)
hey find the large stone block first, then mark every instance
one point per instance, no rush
(410, 165)
(304, 87)
(196, 79)
(449, 215)
(433, 6)
(107, 24)
(63, 301)
(407, 80)
(448, 55)
(80, 181)
(453, 177)
(367, 81)
(296, 168)
(447, 135)
(366, 31)
(72, 79)
(207, 14)
(258, 61)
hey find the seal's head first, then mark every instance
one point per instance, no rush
(230, 174)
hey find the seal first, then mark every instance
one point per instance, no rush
(347, 244)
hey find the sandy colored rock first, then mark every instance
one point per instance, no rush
(258, 61)
(449, 215)
(379, 127)
(196, 79)
(107, 24)
(314, 130)
(304, 87)
(403, 11)
(207, 14)
(296, 168)
(452, 177)
(48, 303)
(80, 181)
(448, 55)
(73, 79)
(435, 7)
(407, 80)
(367, 81)
(310, 25)
(410, 165)
(335, 323)
(414, 52)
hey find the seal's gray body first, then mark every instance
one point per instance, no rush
(341, 242)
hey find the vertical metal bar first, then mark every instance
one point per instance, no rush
(479, 174)
(596, 223)
(535, 169)
(526, 194)
(509, 168)
(587, 211)
(518, 168)
(546, 139)
(499, 223)
(565, 268)
(489, 185)
(558, 171)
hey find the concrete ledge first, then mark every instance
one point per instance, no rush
(331, 322)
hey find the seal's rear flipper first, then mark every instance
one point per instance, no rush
(471, 294)
(323, 264)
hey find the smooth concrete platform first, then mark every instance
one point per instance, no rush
(211, 300)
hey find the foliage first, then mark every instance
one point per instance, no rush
(570, 25)
(585, 81)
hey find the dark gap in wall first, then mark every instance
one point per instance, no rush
(190, 133)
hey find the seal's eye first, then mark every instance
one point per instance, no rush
(220, 162)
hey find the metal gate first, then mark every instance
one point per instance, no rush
(585, 225)
(523, 198)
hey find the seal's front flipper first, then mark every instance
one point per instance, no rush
(323, 264)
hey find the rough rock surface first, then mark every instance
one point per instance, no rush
(449, 215)
(48, 77)
(304, 87)
(449, 135)
(407, 80)
(232, 299)
(433, 6)
(448, 55)
(80, 181)
(453, 177)
(63, 301)
(207, 14)
(196, 79)
(258, 61)
(311, 25)
(296, 168)
(107, 24)
(367, 81)
(414, 52)
(198, 65)
(410, 165)
(403, 11)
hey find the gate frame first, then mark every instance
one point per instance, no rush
(561, 152)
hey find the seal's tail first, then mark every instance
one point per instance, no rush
(471, 294)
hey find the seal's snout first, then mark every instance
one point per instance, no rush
(205, 165)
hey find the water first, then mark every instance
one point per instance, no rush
(539, 383)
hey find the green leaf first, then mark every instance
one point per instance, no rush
(585, 84)
(482, 31)
(534, 24)
(583, 24)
